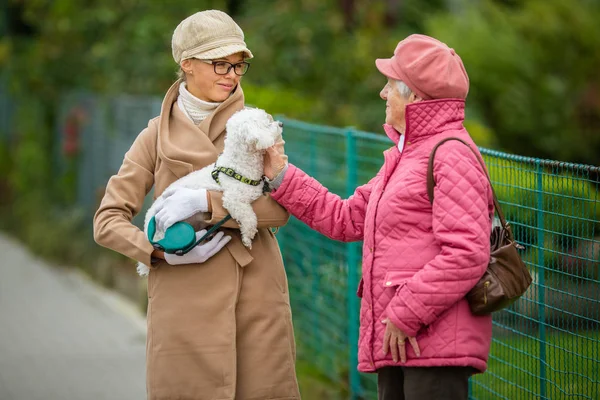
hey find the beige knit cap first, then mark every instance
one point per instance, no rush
(208, 35)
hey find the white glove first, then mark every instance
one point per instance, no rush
(178, 204)
(202, 251)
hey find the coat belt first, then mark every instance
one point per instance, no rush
(239, 252)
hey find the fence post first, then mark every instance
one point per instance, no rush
(352, 258)
(541, 278)
(315, 268)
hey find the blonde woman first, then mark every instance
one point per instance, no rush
(219, 319)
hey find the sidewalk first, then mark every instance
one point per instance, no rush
(64, 338)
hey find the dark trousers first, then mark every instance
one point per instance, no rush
(423, 383)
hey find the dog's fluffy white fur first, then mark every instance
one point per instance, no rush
(249, 133)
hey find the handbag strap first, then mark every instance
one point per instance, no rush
(431, 181)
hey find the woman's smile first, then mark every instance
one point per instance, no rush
(226, 86)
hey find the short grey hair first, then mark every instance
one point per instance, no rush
(403, 89)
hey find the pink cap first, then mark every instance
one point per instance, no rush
(429, 68)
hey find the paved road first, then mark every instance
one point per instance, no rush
(62, 337)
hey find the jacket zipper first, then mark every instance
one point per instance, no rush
(386, 179)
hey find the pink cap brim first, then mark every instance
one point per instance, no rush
(384, 65)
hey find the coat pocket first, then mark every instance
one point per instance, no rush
(359, 291)
(394, 279)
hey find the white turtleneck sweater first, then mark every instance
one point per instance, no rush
(196, 110)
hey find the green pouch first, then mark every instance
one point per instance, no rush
(179, 238)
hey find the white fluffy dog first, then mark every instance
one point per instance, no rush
(249, 133)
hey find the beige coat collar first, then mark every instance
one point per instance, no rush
(185, 147)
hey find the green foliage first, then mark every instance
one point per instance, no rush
(307, 47)
(315, 385)
(481, 134)
(30, 177)
(278, 100)
(5, 167)
(57, 236)
(532, 64)
(53, 233)
(534, 73)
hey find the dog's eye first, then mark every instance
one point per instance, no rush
(280, 124)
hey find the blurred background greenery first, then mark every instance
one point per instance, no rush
(535, 91)
(533, 64)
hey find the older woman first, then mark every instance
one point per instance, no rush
(419, 260)
(219, 319)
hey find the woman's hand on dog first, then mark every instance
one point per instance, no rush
(275, 160)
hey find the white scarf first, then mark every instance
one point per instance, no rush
(401, 143)
(193, 107)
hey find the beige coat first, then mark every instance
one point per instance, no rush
(217, 330)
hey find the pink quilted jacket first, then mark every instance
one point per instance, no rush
(419, 261)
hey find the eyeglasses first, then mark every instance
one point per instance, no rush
(223, 67)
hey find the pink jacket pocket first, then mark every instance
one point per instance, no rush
(394, 279)
(359, 291)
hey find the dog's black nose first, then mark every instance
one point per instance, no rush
(280, 124)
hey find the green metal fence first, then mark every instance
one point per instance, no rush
(547, 345)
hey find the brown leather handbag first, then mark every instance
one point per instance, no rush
(506, 277)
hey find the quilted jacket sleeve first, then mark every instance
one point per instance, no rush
(325, 212)
(461, 222)
(124, 198)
